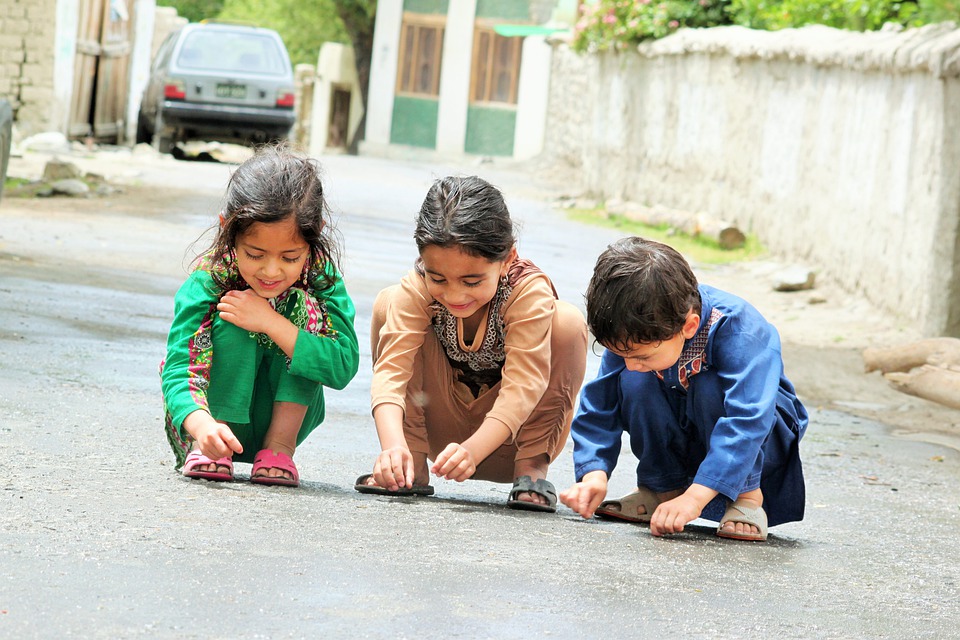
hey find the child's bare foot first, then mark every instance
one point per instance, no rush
(747, 520)
(213, 467)
(265, 469)
(536, 468)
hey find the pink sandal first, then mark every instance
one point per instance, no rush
(267, 459)
(196, 459)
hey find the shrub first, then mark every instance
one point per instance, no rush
(618, 24)
(621, 24)
(855, 15)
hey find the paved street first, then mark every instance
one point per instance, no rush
(99, 538)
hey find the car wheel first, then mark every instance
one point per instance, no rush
(162, 135)
(6, 137)
(143, 133)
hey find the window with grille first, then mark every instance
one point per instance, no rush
(421, 50)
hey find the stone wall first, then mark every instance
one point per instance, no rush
(837, 149)
(27, 52)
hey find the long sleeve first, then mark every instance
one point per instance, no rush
(186, 370)
(331, 360)
(408, 318)
(597, 428)
(748, 363)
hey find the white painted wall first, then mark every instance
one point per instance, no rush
(140, 60)
(455, 76)
(383, 73)
(838, 149)
(65, 51)
(534, 88)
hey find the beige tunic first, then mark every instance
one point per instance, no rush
(527, 316)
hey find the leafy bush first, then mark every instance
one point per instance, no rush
(618, 24)
(855, 15)
(621, 24)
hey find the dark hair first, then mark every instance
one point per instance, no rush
(275, 184)
(640, 292)
(467, 212)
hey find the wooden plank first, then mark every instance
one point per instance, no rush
(85, 67)
(112, 79)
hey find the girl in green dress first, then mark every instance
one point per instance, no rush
(261, 325)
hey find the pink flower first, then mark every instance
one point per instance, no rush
(609, 19)
(674, 24)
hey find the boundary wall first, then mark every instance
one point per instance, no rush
(837, 149)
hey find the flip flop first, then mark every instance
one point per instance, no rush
(627, 508)
(416, 490)
(196, 459)
(267, 459)
(543, 488)
(739, 511)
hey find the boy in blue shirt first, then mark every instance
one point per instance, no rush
(695, 376)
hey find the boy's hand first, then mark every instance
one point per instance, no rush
(455, 462)
(671, 516)
(585, 496)
(247, 310)
(394, 468)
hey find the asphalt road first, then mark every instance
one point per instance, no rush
(99, 538)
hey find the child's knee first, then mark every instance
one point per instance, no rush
(569, 327)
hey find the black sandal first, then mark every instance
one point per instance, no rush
(543, 488)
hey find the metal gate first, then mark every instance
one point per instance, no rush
(101, 70)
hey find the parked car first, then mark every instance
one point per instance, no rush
(6, 137)
(216, 81)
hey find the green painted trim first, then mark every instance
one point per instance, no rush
(520, 30)
(414, 122)
(503, 9)
(426, 6)
(490, 130)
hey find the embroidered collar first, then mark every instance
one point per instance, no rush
(694, 354)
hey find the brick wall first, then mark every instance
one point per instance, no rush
(27, 52)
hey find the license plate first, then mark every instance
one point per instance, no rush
(238, 91)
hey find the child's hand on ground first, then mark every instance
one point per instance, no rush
(585, 496)
(394, 468)
(215, 439)
(455, 462)
(247, 310)
(673, 515)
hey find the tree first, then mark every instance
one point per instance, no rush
(194, 10)
(304, 25)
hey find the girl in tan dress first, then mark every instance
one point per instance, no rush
(476, 363)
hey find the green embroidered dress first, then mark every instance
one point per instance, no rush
(237, 375)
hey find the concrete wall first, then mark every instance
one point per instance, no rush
(838, 149)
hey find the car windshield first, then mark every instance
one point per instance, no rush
(231, 51)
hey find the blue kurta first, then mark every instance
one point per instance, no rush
(724, 416)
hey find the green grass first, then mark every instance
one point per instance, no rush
(13, 183)
(699, 249)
